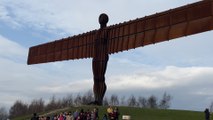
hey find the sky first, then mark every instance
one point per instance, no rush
(182, 67)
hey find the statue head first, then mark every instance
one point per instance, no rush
(103, 19)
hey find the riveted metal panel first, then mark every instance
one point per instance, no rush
(162, 34)
(177, 30)
(198, 26)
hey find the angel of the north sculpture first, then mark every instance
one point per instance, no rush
(99, 44)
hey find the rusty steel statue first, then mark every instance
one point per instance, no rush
(100, 59)
(98, 44)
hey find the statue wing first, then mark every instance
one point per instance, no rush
(183, 21)
(75, 47)
(187, 20)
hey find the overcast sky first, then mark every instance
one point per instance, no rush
(183, 67)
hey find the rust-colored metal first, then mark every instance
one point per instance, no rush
(98, 44)
(100, 59)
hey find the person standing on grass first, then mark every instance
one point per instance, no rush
(96, 113)
(105, 117)
(76, 114)
(116, 113)
(207, 114)
(35, 117)
(69, 116)
(109, 111)
(61, 116)
(92, 115)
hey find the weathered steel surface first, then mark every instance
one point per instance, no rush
(75, 47)
(174, 23)
(100, 59)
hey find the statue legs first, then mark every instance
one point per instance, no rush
(99, 90)
(99, 87)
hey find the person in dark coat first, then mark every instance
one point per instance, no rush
(116, 112)
(104, 117)
(35, 117)
(207, 114)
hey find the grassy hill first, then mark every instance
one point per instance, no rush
(136, 113)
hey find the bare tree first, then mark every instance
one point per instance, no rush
(52, 104)
(3, 114)
(84, 100)
(87, 98)
(64, 102)
(105, 101)
(114, 100)
(142, 102)
(90, 96)
(69, 99)
(37, 105)
(59, 104)
(152, 102)
(19, 108)
(165, 102)
(132, 102)
(78, 100)
(123, 102)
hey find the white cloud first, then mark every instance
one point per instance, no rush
(71, 87)
(190, 87)
(183, 83)
(168, 77)
(11, 49)
(6, 17)
(65, 16)
(3, 13)
(20, 81)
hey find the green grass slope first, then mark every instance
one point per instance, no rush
(136, 113)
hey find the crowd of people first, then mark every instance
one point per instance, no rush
(112, 114)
